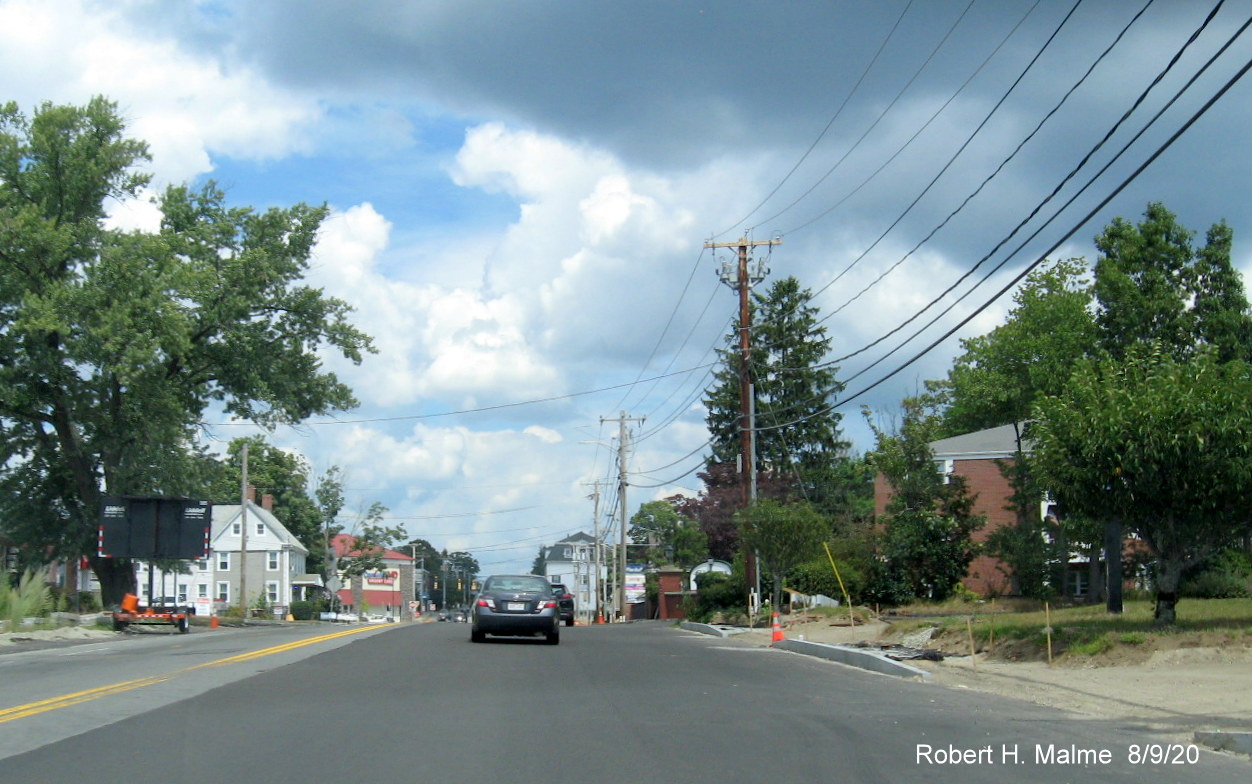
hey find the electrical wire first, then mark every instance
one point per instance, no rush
(883, 114)
(964, 145)
(1073, 172)
(830, 123)
(1082, 222)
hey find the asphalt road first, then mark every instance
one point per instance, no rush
(633, 703)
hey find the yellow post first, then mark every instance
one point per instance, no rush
(1047, 616)
(846, 598)
(973, 652)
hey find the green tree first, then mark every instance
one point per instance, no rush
(797, 432)
(116, 343)
(1159, 445)
(462, 571)
(800, 448)
(1000, 375)
(671, 537)
(926, 544)
(784, 535)
(1154, 287)
(540, 565)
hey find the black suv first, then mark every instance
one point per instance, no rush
(565, 602)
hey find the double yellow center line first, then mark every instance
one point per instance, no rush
(66, 700)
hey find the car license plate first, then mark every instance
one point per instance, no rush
(516, 607)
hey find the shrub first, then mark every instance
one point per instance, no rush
(1226, 576)
(303, 611)
(716, 593)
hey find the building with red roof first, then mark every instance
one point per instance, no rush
(389, 590)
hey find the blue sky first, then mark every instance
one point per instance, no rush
(520, 193)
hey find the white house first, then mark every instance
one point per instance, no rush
(275, 561)
(572, 562)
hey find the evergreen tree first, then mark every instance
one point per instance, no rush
(926, 546)
(797, 433)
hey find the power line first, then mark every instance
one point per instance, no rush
(1086, 218)
(964, 145)
(830, 124)
(884, 112)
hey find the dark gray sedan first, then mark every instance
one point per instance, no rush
(516, 605)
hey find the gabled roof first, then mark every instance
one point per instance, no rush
(578, 538)
(994, 442)
(345, 546)
(225, 515)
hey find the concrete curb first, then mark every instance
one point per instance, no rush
(715, 631)
(875, 661)
(1238, 742)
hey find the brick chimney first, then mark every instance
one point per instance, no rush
(267, 502)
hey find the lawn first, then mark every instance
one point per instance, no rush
(1018, 630)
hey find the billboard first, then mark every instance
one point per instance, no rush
(152, 528)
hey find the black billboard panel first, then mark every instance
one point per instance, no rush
(149, 528)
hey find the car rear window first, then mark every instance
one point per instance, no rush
(517, 584)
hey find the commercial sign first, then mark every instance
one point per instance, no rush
(635, 580)
(377, 578)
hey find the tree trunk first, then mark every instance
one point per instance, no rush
(1095, 576)
(1168, 578)
(117, 578)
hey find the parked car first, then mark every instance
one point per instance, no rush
(515, 605)
(565, 602)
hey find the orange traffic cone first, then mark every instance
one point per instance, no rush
(778, 632)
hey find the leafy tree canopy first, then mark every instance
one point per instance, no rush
(675, 539)
(1159, 445)
(114, 344)
(784, 535)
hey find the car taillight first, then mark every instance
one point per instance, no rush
(568, 596)
(489, 604)
(548, 605)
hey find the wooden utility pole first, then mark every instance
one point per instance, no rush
(745, 276)
(243, 534)
(597, 611)
(621, 497)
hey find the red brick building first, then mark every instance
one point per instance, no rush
(976, 457)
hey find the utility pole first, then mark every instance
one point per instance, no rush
(621, 496)
(243, 534)
(742, 277)
(595, 522)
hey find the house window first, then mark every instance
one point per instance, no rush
(260, 529)
(236, 529)
(223, 562)
(182, 594)
(223, 592)
(202, 590)
(271, 591)
(271, 560)
(202, 564)
(1079, 583)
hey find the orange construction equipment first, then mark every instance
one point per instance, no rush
(778, 632)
